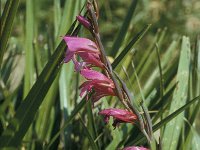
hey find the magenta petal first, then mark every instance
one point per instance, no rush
(135, 148)
(91, 75)
(68, 56)
(78, 65)
(101, 88)
(106, 119)
(120, 115)
(86, 86)
(83, 21)
(77, 44)
(85, 48)
(102, 93)
(114, 111)
(98, 96)
(91, 58)
(104, 88)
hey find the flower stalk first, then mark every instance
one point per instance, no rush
(97, 84)
(125, 102)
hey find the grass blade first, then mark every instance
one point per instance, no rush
(148, 53)
(65, 104)
(173, 129)
(24, 116)
(10, 12)
(140, 139)
(91, 122)
(129, 46)
(67, 71)
(5, 15)
(160, 71)
(69, 119)
(191, 114)
(29, 59)
(90, 137)
(124, 28)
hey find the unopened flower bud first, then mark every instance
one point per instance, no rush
(84, 21)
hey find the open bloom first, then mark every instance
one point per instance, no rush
(86, 49)
(102, 85)
(119, 116)
(135, 148)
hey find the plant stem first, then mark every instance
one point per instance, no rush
(108, 67)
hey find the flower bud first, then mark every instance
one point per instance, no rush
(84, 21)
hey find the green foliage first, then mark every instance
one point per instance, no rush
(40, 107)
(6, 20)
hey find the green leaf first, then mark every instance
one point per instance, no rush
(29, 57)
(163, 103)
(90, 137)
(24, 116)
(7, 21)
(66, 76)
(145, 62)
(67, 16)
(173, 129)
(135, 39)
(140, 139)
(124, 28)
(91, 123)
(5, 15)
(68, 120)
(169, 63)
(191, 114)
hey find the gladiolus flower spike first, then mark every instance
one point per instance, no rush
(119, 116)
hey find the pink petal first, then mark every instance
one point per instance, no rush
(78, 65)
(100, 87)
(68, 56)
(98, 96)
(135, 148)
(85, 48)
(114, 111)
(83, 21)
(86, 86)
(102, 92)
(105, 88)
(119, 114)
(76, 44)
(91, 75)
(91, 58)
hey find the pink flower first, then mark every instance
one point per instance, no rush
(135, 148)
(84, 21)
(86, 49)
(119, 115)
(102, 85)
